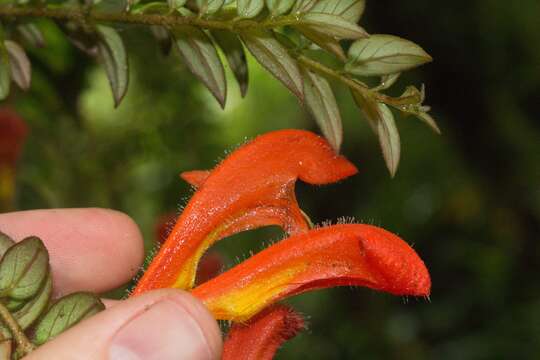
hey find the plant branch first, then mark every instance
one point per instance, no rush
(24, 345)
(169, 20)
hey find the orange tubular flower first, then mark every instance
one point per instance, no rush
(252, 187)
(263, 335)
(352, 254)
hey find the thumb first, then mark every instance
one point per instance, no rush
(162, 324)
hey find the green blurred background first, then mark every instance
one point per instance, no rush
(469, 200)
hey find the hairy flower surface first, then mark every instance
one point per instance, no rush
(351, 255)
(261, 337)
(252, 187)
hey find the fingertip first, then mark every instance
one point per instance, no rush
(90, 249)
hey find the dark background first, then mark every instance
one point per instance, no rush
(469, 200)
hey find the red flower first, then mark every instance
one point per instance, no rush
(254, 187)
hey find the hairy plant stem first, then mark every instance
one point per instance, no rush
(24, 345)
(82, 15)
(353, 84)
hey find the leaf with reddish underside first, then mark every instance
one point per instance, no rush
(252, 187)
(339, 255)
(261, 337)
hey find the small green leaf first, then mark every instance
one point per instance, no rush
(274, 58)
(23, 269)
(202, 59)
(382, 122)
(31, 310)
(333, 25)
(232, 47)
(65, 313)
(5, 70)
(384, 54)
(389, 138)
(249, 8)
(350, 10)
(428, 119)
(209, 6)
(302, 6)
(112, 53)
(21, 70)
(279, 7)
(31, 33)
(177, 4)
(321, 102)
(387, 81)
(5, 243)
(325, 41)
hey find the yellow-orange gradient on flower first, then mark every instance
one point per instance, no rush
(252, 187)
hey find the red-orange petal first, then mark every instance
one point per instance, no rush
(351, 254)
(195, 178)
(252, 187)
(261, 337)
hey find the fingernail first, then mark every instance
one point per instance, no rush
(165, 331)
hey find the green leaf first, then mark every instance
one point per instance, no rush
(321, 102)
(428, 119)
(389, 138)
(202, 59)
(279, 7)
(176, 4)
(21, 70)
(388, 80)
(5, 70)
(384, 54)
(302, 6)
(382, 122)
(333, 25)
(31, 33)
(249, 8)
(23, 269)
(325, 41)
(112, 53)
(65, 313)
(5, 243)
(232, 47)
(209, 6)
(350, 10)
(31, 310)
(274, 58)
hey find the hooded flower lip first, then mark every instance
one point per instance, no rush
(351, 254)
(252, 187)
(260, 338)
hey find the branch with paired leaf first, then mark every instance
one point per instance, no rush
(284, 36)
(28, 316)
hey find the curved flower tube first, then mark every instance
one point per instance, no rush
(252, 187)
(351, 254)
(262, 336)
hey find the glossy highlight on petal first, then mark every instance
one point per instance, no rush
(252, 187)
(261, 337)
(339, 255)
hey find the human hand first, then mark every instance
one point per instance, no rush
(97, 250)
